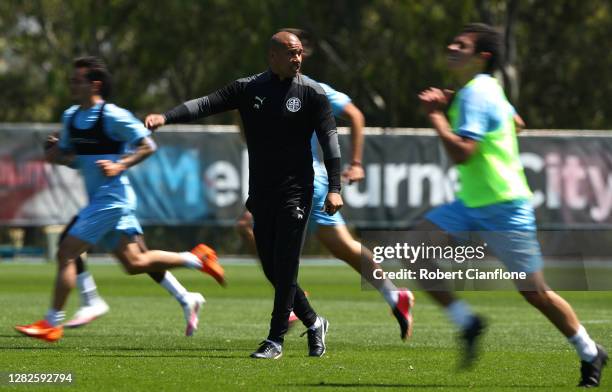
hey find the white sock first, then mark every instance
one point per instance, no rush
(389, 292)
(460, 313)
(87, 288)
(317, 324)
(55, 317)
(191, 260)
(584, 345)
(174, 287)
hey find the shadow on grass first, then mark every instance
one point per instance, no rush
(59, 346)
(424, 385)
(47, 346)
(136, 356)
(124, 348)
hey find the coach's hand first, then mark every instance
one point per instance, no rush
(154, 121)
(333, 202)
(110, 168)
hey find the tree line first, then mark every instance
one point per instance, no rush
(379, 52)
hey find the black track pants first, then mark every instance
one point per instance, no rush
(280, 222)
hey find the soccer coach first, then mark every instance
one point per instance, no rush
(280, 108)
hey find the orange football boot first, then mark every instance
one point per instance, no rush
(42, 330)
(210, 264)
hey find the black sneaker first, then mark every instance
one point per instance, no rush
(590, 372)
(316, 339)
(268, 350)
(470, 337)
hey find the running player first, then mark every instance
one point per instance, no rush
(96, 139)
(479, 135)
(93, 306)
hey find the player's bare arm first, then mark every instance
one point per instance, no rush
(146, 147)
(459, 148)
(54, 154)
(519, 124)
(354, 172)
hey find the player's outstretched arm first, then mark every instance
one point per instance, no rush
(355, 172)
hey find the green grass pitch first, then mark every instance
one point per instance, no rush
(139, 345)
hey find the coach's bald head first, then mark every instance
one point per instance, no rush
(285, 54)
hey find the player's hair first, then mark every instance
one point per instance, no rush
(488, 39)
(304, 36)
(96, 71)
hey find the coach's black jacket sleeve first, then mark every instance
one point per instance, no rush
(325, 128)
(222, 100)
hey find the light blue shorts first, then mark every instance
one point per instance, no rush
(317, 215)
(104, 225)
(508, 228)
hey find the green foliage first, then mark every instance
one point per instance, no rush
(565, 68)
(380, 52)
